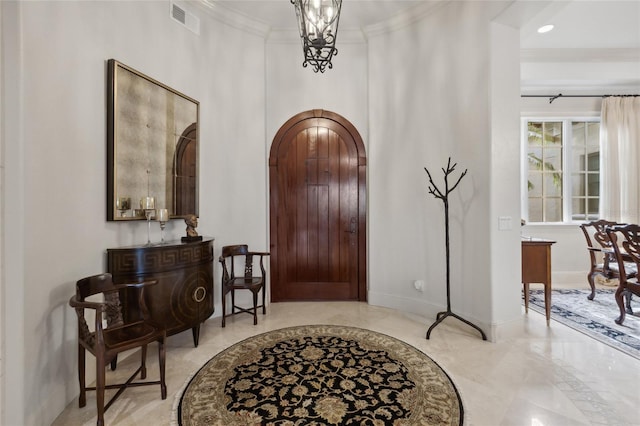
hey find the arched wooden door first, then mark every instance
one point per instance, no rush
(317, 186)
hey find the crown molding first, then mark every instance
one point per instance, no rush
(247, 23)
(579, 55)
(234, 18)
(291, 36)
(404, 18)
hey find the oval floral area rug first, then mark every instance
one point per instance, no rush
(320, 375)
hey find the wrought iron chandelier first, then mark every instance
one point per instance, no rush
(318, 25)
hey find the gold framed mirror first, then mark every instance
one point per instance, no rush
(152, 147)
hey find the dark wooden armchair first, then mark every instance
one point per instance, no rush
(601, 253)
(247, 281)
(106, 342)
(626, 246)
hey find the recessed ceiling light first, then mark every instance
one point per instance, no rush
(545, 29)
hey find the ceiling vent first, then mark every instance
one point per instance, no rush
(184, 17)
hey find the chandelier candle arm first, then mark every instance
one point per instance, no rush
(318, 26)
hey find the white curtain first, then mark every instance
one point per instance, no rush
(620, 159)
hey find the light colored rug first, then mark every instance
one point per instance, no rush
(320, 375)
(595, 318)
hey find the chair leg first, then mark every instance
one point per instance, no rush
(233, 301)
(161, 362)
(255, 307)
(195, 332)
(592, 285)
(627, 295)
(100, 384)
(143, 362)
(619, 292)
(82, 399)
(264, 298)
(224, 306)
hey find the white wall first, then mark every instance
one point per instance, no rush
(424, 95)
(13, 310)
(2, 191)
(505, 170)
(57, 148)
(292, 89)
(430, 99)
(418, 94)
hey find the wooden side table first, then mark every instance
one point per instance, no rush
(536, 268)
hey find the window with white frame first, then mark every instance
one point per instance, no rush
(561, 173)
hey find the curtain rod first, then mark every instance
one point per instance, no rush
(560, 95)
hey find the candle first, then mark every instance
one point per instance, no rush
(123, 203)
(163, 215)
(147, 203)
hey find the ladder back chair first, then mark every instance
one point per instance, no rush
(601, 254)
(626, 246)
(246, 281)
(119, 335)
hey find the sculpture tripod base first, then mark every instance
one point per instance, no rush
(442, 315)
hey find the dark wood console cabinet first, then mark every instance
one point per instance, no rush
(183, 296)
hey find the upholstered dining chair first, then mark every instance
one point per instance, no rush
(105, 343)
(625, 240)
(245, 281)
(601, 254)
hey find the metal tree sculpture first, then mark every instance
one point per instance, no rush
(444, 196)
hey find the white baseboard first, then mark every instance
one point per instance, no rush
(424, 309)
(405, 304)
(569, 277)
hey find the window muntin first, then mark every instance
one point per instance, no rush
(585, 153)
(562, 169)
(544, 157)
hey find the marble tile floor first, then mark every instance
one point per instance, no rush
(535, 376)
